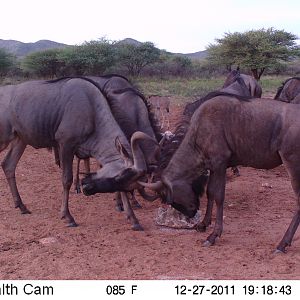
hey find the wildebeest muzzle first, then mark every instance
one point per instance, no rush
(122, 182)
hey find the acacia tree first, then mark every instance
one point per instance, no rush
(136, 57)
(256, 50)
(43, 63)
(7, 62)
(92, 58)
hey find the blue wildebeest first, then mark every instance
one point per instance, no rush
(121, 94)
(227, 131)
(251, 83)
(289, 91)
(137, 116)
(237, 87)
(73, 116)
(161, 106)
(132, 112)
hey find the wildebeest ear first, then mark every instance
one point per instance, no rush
(121, 148)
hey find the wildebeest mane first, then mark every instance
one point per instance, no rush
(233, 75)
(115, 75)
(153, 121)
(75, 77)
(58, 79)
(279, 90)
(126, 123)
(190, 108)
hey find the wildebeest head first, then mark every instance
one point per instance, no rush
(113, 176)
(181, 194)
(92, 185)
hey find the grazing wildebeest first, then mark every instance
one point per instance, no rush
(251, 83)
(289, 90)
(237, 87)
(227, 131)
(73, 116)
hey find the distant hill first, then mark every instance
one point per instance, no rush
(129, 41)
(21, 49)
(195, 55)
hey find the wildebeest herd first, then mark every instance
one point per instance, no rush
(108, 119)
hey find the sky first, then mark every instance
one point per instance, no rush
(179, 26)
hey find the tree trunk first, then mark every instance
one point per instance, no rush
(257, 73)
(261, 72)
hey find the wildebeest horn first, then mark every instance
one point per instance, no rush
(154, 186)
(147, 196)
(138, 157)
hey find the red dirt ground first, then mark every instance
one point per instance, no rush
(40, 246)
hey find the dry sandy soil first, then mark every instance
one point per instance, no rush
(258, 208)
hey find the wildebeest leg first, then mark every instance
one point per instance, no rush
(216, 192)
(56, 156)
(9, 167)
(76, 180)
(87, 171)
(119, 204)
(66, 157)
(134, 202)
(289, 234)
(130, 214)
(207, 218)
(294, 171)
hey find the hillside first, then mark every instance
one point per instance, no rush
(196, 55)
(21, 49)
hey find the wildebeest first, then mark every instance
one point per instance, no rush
(289, 90)
(237, 87)
(161, 106)
(251, 83)
(72, 116)
(227, 131)
(132, 112)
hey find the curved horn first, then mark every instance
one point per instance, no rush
(146, 196)
(155, 186)
(138, 157)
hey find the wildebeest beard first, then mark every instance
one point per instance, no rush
(108, 185)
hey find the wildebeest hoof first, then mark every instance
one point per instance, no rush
(23, 209)
(207, 244)
(72, 224)
(137, 227)
(278, 251)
